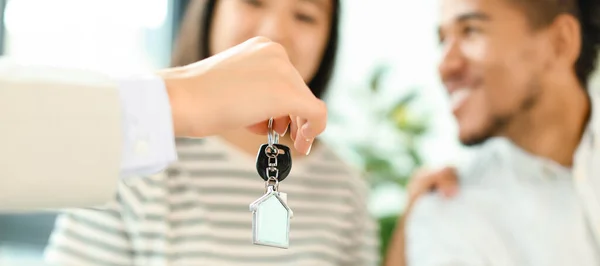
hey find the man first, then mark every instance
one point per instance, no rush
(58, 124)
(517, 72)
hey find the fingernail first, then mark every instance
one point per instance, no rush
(309, 148)
(284, 132)
(305, 132)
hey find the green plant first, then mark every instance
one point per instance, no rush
(395, 164)
(387, 224)
(407, 127)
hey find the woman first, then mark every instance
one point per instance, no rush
(197, 214)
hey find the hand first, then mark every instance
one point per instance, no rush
(243, 87)
(444, 181)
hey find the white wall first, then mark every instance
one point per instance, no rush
(105, 35)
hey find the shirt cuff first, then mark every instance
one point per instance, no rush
(148, 137)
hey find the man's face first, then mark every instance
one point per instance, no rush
(492, 65)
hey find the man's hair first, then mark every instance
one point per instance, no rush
(542, 13)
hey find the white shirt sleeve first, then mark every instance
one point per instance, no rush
(149, 141)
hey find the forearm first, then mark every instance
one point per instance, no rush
(396, 255)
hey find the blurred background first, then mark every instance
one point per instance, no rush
(388, 111)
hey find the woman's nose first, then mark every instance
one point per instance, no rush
(276, 27)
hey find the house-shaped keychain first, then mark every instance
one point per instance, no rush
(271, 219)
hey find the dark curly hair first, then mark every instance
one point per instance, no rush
(542, 13)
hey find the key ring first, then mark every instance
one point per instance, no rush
(273, 137)
(274, 185)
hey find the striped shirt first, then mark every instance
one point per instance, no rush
(197, 213)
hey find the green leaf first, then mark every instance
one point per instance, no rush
(377, 76)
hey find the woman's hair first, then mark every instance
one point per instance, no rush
(192, 42)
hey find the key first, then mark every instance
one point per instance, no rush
(270, 213)
(273, 158)
(284, 161)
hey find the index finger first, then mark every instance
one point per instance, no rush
(314, 115)
(297, 100)
(308, 108)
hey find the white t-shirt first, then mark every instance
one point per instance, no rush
(512, 208)
(198, 214)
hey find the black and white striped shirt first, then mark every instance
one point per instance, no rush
(197, 214)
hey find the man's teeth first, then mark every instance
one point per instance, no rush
(458, 97)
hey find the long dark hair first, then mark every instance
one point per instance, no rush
(192, 42)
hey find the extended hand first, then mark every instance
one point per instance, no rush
(243, 87)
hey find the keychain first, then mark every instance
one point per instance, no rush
(270, 213)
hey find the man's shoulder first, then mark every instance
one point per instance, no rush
(457, 229)
(464, 205)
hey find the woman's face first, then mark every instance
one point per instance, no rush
(301, 26)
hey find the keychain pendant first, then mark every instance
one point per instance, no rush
(271, 219)
(270, 213)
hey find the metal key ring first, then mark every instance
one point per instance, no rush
(270, 170)
(272, 151)
(275, 183)
(273, 137)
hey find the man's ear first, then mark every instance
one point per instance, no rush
(566, 38)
